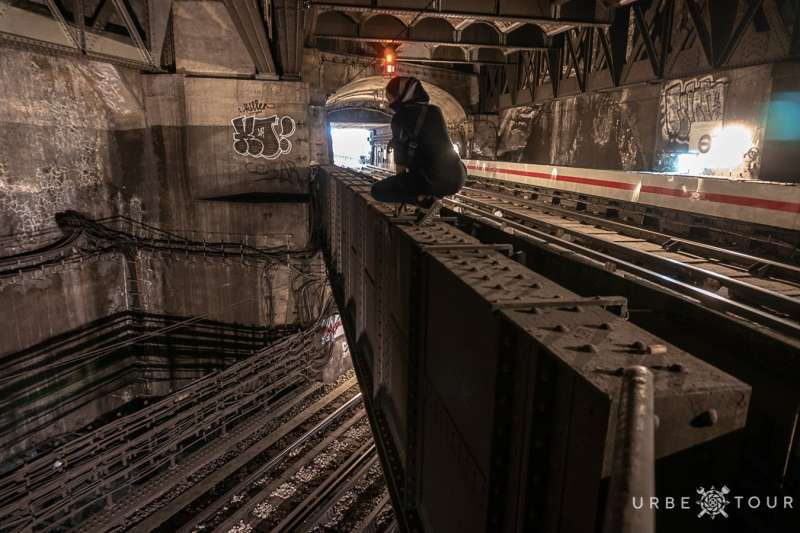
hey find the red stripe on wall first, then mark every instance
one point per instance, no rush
(748, 201)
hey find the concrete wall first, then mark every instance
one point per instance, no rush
(641, 127)
(206, 40)
(246, 136)
(56, 146)
(67, 356)
(39, 305)
(158, 148)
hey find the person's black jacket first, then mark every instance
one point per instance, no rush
(434, 157)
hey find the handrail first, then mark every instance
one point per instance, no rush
(633, 470)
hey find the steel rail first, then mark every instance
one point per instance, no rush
(711, 299)
(353, 468)
(203, 515)
(368, 524)
(214, 401)
(161, 515)
(790, 272)
(577, 197)
(764, 297)
(345, 483)
(287, 475)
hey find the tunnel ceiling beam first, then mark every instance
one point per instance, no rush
(70, 29)
(250, 25)
(132, 26)
(390, 40)
(647, 42)
(289, 23)
(406, 59)
(553, 24)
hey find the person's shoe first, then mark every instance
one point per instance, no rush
(426, 202)
(427, 216)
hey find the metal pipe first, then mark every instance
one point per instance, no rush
(633, 471)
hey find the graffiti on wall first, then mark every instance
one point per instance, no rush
(684, 102)
(514, 131)
(264, 137)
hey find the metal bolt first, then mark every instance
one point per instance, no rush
(588, 348)
(561, 328)
(706, 418)
(607, 325)
(677, 367)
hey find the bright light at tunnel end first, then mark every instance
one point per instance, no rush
(729, 145)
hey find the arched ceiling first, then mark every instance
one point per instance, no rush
(458, 32)
(369, 93)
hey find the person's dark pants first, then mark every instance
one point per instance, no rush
(407, 187)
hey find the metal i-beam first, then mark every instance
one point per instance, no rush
(68, 31)
(503, 47)
(133, 30)
(249, 23)
(696, 14)
(580, 75)
(101, 15)
(482, 17)
(736, 38)
(647, 38)
(542, 364)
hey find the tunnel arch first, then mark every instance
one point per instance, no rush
(480, 32)
(380, 26)
(526, 35)
(365, 97)
(489, 54)
(432, 29)
(336, 23)
(449, 53)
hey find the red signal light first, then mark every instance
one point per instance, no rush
(389, 65)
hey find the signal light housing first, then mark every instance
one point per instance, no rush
(389, 62)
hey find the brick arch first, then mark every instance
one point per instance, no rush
(336, 23)
(432, 29)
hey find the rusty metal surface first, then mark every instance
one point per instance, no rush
(484, 379)
(633, 472)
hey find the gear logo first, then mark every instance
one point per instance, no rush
(712, 502)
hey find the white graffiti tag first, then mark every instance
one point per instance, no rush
(686, 101)
(266, 137)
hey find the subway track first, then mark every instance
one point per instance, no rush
(747, 287)
(232, 471)
(765, 292)
(216, 455)
(768, 241)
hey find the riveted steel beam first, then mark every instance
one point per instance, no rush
(504, 48)
(478, 17)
